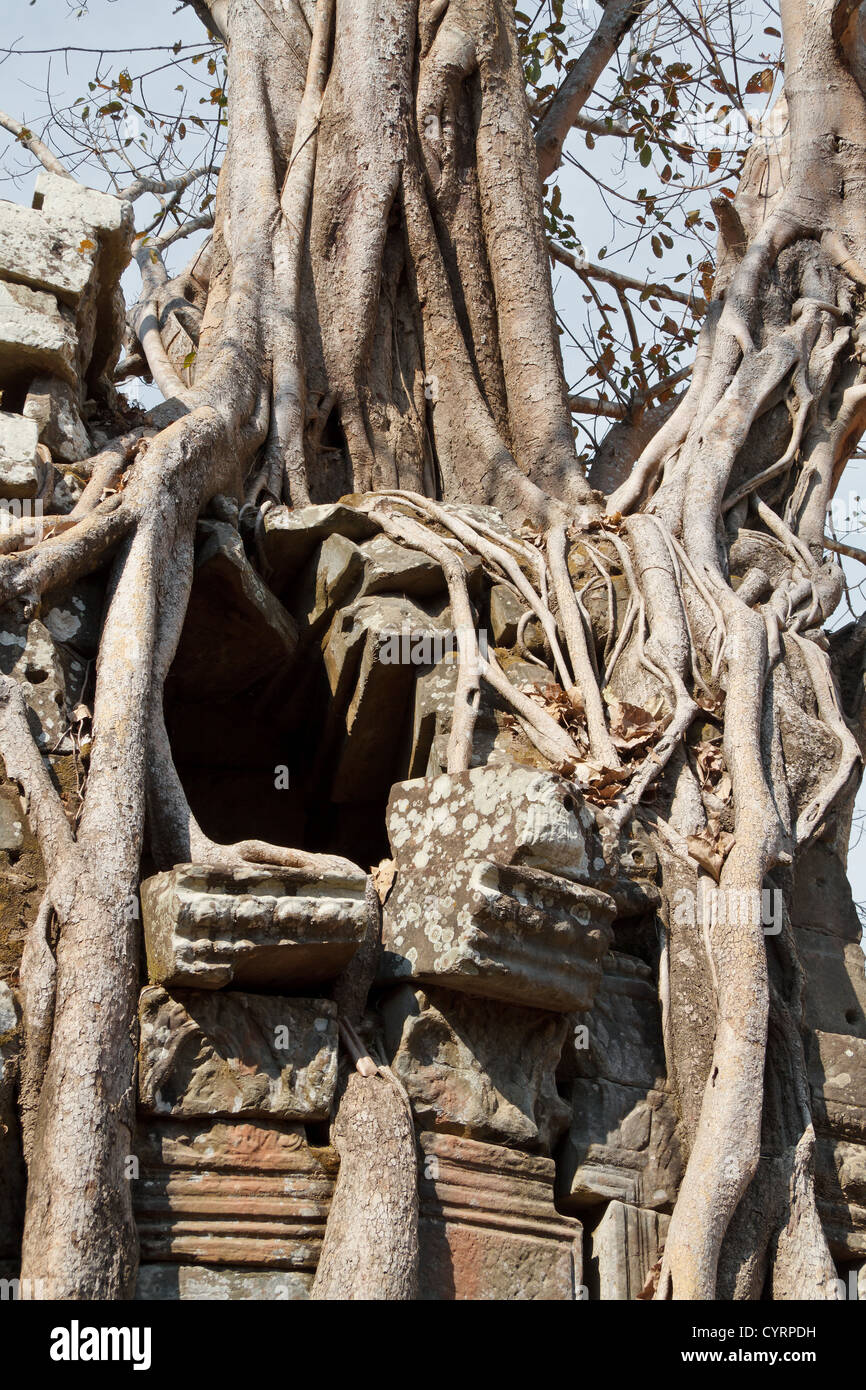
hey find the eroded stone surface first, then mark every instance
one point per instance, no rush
(476, 1067)
(36, 334)
(199, 1283)
(623, 1144)
(20, 468)
(231, 1194)
(56, 255)
(254, 927)
(620, 1039)
(624, 1247)
(290, 535)
(837, 1071)
(236, 1054)
(487, 896)
(371, 691)
(488, 1227)
(53, 404)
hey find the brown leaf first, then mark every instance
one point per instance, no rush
(383, 875)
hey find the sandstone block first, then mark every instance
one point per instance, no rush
(290, 535)
(231, 1194)
(487, 897)
(53, 404)
(477, 1067)
(251, 927)
(20, 466)
(623, 1144)
(47, 253)
(624, 1247)
(36, 335)
(242, 1055)
(837, 1072)
(488, 1228)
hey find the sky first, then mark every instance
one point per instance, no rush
(33, 29)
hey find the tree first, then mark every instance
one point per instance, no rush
(379, 275)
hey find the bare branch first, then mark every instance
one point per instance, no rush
(588, 270)
(36, 146)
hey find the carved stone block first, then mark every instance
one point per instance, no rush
(477, 1067)
(622, 1144)
(231, 1194)
(253, 927)
(242, 1055)
(489, 1228)
(199, 1283)
(487, 897)
(837, 1072)
(620, 1038)
(624, 1247)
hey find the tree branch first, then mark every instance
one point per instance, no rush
(618, 18)
(36, 146)
(588, 270)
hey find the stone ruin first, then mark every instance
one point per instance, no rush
(516, 990)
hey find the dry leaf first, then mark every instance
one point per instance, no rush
(383, 875)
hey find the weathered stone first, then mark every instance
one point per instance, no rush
(244, 1055)
(48, 683)
(623, 1143)
(390, 568)
(12, 1180)
(624, 1247)
(231, 1194)
(496, 739)
(290, 535)
(835, 995)
(487, 897)
(821, 897)
(53, 404)
(11, 819)
(620, 1038)
(371, 691)
(488, 1228)
(111, 218)
(837, 1071)
(477, 1067)
(36, 335)
(253, 927)
(257, 636)
(73, 616)
(109, 229)
(198, 1283)
(20, 467)
(330, 578)
(46, 253)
